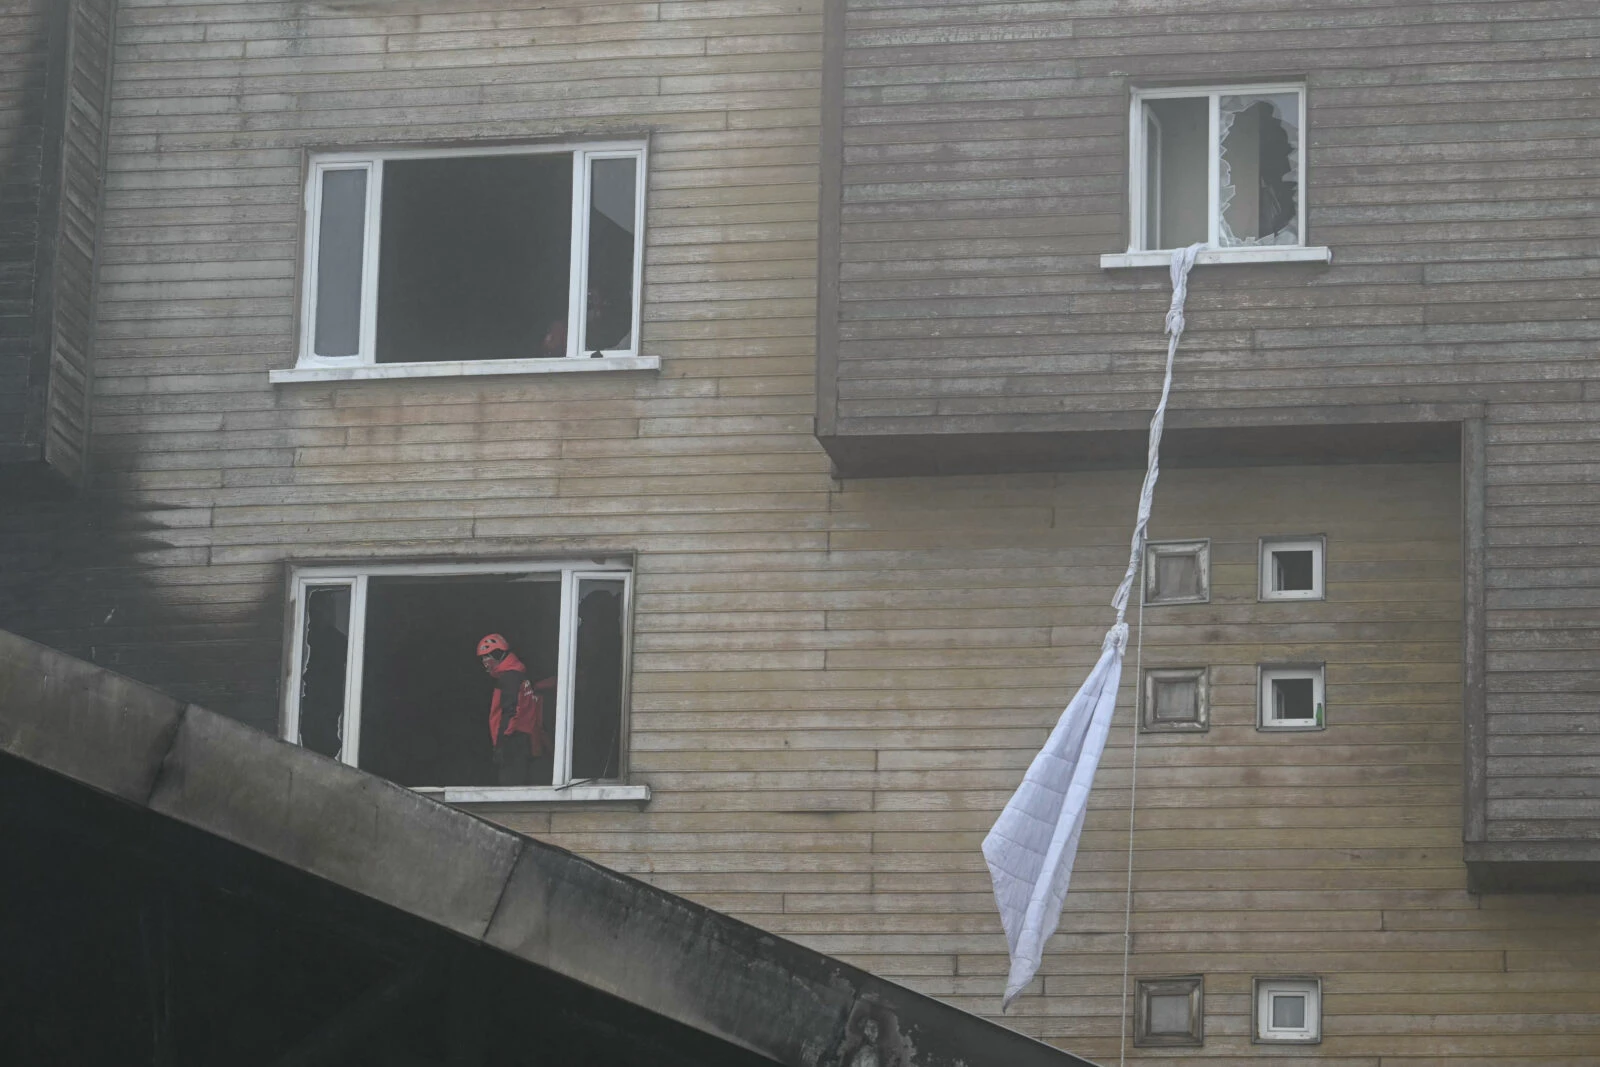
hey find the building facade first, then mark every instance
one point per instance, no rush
(773, 374)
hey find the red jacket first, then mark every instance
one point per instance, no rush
(528, 718)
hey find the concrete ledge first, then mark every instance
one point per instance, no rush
(82, 721)
(334, 821)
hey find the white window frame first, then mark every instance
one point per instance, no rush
(1138, 148)
(1316, 544)
(302, 580)
(312, 367)
(1267, 674)
(1266, 989)
(1200, 548)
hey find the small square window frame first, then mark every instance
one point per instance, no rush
(1200, 548)
(1261, 1030)
(1266, 673)
(1191, 985)
(1149, 724)
(1316, 544)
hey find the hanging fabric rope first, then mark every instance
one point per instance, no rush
(1031, 848)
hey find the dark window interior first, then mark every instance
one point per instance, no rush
(324, 656)
(611, 247)
(1293, 571)
(475, 258)
(425, 696)
(1293, 698)
(597, 700)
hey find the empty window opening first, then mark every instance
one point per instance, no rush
(1177, 211)
(475, 260)
(501, 254)
(1292, 698)
(1170, 1012)
(324, 657)
(1177, 700)
(1178, 572)
(1292, 569)
(1218, 167)
(597, 699)
(608, 319)
(1288, 1010)
(390, 678)
(425, 696)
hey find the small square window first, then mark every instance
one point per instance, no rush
(1223, 167)
(1170, 1012)
(1177, 700)
(1177, 572)
(1288, 1010)
(1292, 568)
(1291, 698)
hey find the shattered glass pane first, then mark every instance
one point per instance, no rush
(325, 658)
(1259, 191)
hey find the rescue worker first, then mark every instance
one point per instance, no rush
(523, 750)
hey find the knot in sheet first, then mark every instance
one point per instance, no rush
(1031, 848)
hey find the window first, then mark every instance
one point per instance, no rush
(1170, 1012)
(1177, 572)
(1219, 166)
(1292, 568)
(1177, 700)
(1292, 698)
(1288, 1010)
(384, 675)
(477, 261)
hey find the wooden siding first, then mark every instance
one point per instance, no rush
(1453, 162)
(85, 90)
(25, 39)
(836, 684)
(52, 148)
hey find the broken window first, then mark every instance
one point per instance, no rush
(1220, 167)
(389, 678)
(423, 257)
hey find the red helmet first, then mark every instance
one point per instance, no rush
(493, 643)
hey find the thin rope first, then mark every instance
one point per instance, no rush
(1133, 805)
(1182, 261)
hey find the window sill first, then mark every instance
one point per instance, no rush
(461, 369)
(1219, 257)
(597, 793)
